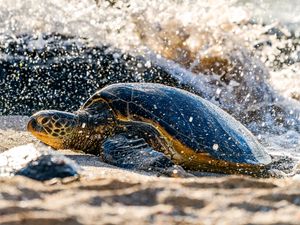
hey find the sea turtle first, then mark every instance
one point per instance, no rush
(146, 126)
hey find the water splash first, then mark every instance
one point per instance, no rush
(230, 52)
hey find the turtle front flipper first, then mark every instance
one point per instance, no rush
(135, 154)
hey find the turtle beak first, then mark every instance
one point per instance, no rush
(34, 126)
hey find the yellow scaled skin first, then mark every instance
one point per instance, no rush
(54, 142)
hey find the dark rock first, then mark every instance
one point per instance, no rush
(63, 72)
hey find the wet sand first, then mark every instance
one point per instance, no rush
(108, 195)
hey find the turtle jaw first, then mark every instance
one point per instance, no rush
(52, 127)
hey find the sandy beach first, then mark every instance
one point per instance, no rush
(108, 195)
(243, 56)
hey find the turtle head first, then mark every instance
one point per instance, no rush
(82, 130)
(52, 127)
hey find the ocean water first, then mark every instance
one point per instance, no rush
(244, 56)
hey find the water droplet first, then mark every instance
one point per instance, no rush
(148, 64)
(215, 147)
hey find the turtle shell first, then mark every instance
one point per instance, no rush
(193, 121)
